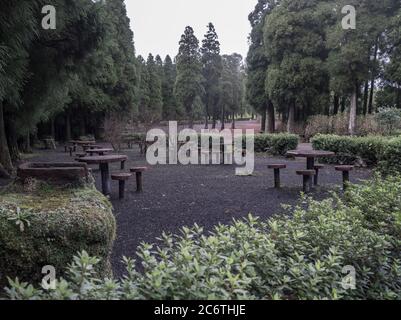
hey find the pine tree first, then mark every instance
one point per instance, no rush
(211, 70)
(155, 88)
(257, 65)
(231, 87)
(188, 84)
(170, 111)
(295, 42)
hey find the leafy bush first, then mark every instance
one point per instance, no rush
(298, 257)
(351, 150)
(48, 225)
(276, 144)
(389, 119)
(390, 157)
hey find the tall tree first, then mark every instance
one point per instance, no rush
(231, 87)
(295, 40)
(155, 88)
(211, 70)
(170, 111)
(188, 84)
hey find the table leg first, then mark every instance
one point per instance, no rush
(310, 165)
(104, 169)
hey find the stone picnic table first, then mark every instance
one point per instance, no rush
(100, 151)
(81, 143)
(310, 156)
(103, 162)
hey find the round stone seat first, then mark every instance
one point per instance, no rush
(277, 166)
(138, 173)
(138, 169)
(308, 173)
(344, 168)
(121, 176)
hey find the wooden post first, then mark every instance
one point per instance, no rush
(139, 182)
(310, 165)
(277, 182)
(345, 179)
(307, 183)
(121, 189)
(122, 165)
(316, 177)
(104, 170)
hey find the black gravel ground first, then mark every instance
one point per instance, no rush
(176, 196)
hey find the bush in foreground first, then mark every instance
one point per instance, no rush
(298, 257)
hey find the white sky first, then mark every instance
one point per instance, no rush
(158, 24)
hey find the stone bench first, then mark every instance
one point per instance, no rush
(138, 172)
(277, 168)
(121, 178)
(345, 170)
(307, 176)
(317, 168)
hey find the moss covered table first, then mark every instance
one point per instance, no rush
(103, 162)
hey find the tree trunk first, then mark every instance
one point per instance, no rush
(207, 116)
(372, 81)
(12, 138)
(263, 121)
(336, 104)
(26, 143)
(353, 112)
(52, 128)
(67, 127)
(223, 118)
(82, 126)
(5, 159)
(343, 102)
(233, 123)
(291, 118)
(365, 98)
(271, 118)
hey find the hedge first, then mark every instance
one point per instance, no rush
(48, 225)
(298, 257)
(374, 151)
(274, 144)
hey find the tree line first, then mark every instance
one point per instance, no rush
(303, 62)
(62, 81)
(199, 84)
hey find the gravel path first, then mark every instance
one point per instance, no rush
(176, 196)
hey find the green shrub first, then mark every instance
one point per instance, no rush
(390, 159)
(276, 144)
(298, 257)
(350, 150)
(48, 225)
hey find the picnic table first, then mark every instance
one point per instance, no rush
(81, 143)
(310, 156)
(103, 162)
(100, 151)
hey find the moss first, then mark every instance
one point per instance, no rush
(57, 223)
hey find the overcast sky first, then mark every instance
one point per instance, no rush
(158, 24)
